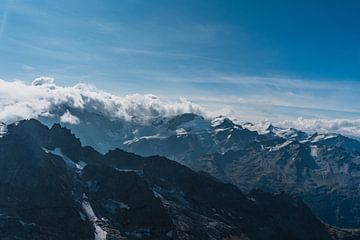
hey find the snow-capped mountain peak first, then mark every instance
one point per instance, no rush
(222, 122)
(287, 133)
(316, 137)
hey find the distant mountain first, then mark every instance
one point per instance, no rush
(51, 187)
(321, 168)
(350, 145)
(288, 134)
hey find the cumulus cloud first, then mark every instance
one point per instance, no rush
(42, 97)
(40, 81)
(349, 127)
(67, 117)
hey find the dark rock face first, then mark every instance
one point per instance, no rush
(350, 145)
(327, 178)
(175, 122)
(125, 200)
(53, 188)
(35, 191)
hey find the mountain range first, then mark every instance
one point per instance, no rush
(321, 168)
(52, 187)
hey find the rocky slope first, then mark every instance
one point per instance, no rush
(323, 169)
(53, 188)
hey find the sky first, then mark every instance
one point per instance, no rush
(256, 60)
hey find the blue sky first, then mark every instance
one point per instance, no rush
(261, 59)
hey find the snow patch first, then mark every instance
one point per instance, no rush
(100, 234)
(217, 121)
(3, 129)
(320, 137)
(70, 163)
(252, 199)
(138, 172)
(156, 136)
(181, 131)
(261, 127)
(288, 133)
(280, 146)
(313, 150)
(158, 195)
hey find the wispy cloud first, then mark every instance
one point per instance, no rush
(27, 67)
(54, 49)
(4, 17)
(270, 94)
(278, 82)
(283, 82)
(157, 53)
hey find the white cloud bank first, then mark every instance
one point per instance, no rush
(349, 127)
(23, 101)
(67, 117)
(19, 100)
